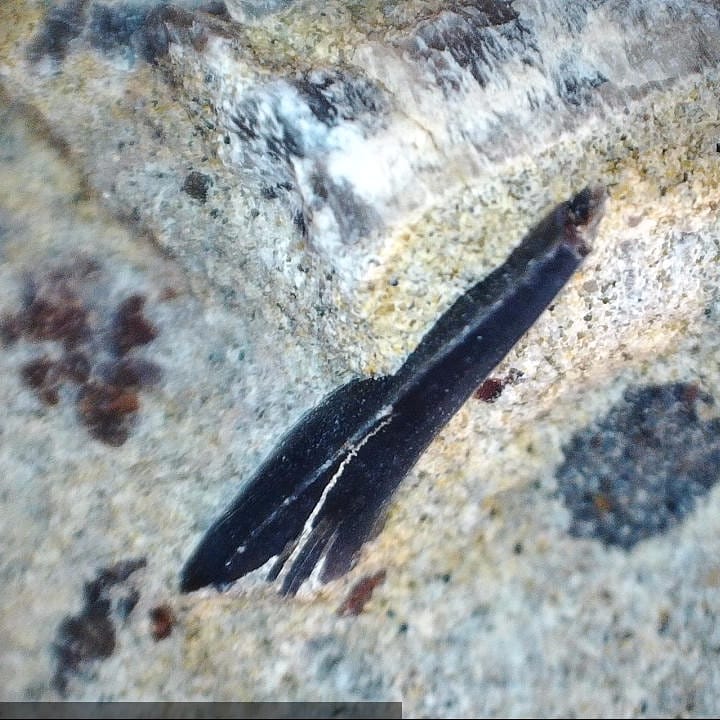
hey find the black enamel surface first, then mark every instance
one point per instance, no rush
(323, 492)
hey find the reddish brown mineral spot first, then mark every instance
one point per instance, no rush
(131, 328)
(107, 411)
(163, 621)
(53, 309)
(360, 594)
(492, 388)
(132, 372)
(42, 376)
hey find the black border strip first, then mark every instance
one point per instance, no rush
(200, 710)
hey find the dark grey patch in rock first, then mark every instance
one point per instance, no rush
(289, 128)
(474, 37)
(134, 29)
(197, 184)
(574, 19)
(90, 635)
(292, 119)
(273, 192)
(355, 219)
(300, 221)
(216, 8)
(265, 130)
(62, 24)
(640, 469)
(113, 27)
(575, 84)
(334, 96)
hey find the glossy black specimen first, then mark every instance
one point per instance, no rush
(322, 492)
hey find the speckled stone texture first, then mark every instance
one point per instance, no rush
(298, 189)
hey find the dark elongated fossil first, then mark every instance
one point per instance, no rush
(323, 491)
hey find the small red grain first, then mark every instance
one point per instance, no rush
(360, 594)
(493, 387)
(163, 621)
(490, 390)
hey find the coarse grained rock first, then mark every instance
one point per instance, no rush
(330, 176)
(368, 161)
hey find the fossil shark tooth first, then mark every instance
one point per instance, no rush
(322, 492)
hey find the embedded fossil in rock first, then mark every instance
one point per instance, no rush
(322, 493)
